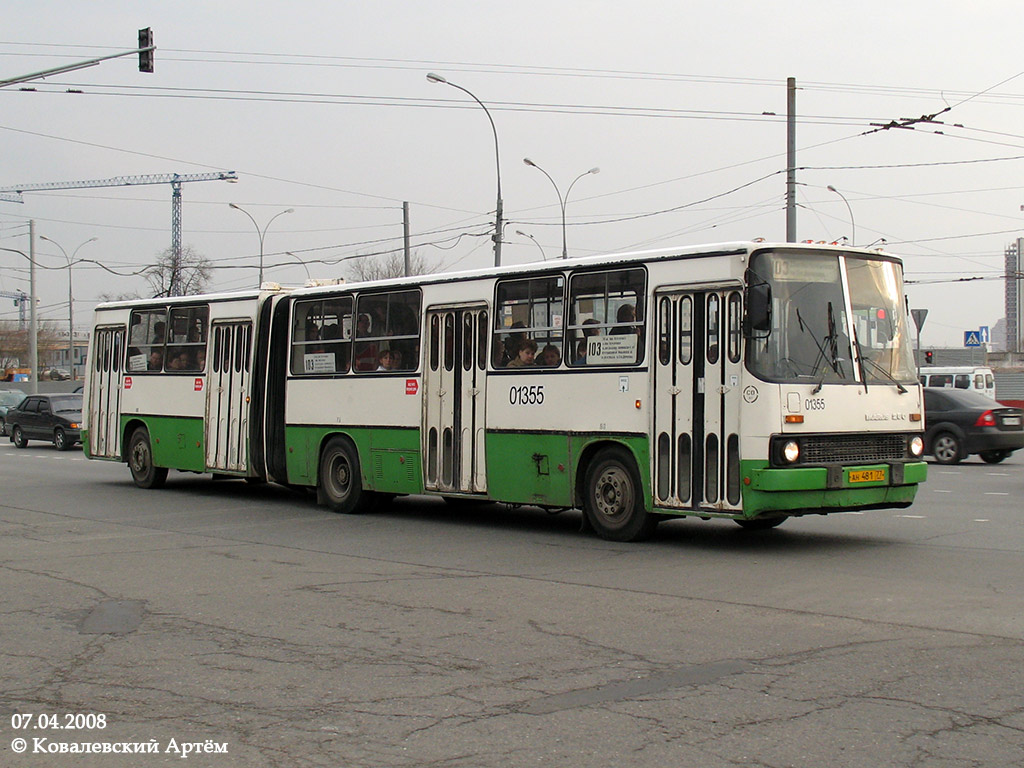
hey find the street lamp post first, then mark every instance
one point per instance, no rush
(561, 200)
(301, 262)
(261, 233)
(853, 227)
(71, 301)
(434, 78)
(543, 256)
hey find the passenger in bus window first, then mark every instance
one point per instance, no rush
(626, 314)
(512, 343)
(156, 360)
(581, 354)
(550, 356)
(525, 354)
(158, 332)
(386, 360)
(201, 359)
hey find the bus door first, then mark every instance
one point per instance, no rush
(696, 422)
(227, 396)
(104, 405)
(455, 378)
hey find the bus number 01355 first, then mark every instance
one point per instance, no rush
(526, 395)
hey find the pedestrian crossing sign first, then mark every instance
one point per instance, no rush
(972, 339)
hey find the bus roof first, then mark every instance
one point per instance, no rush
(659, 254)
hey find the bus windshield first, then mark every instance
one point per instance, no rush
(817, 330)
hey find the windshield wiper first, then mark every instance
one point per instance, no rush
(832, 346)
(860, 361)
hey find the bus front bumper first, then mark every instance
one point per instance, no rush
(833, 488)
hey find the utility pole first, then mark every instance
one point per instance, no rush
(33, 348)
(405, 230)
(791, 160)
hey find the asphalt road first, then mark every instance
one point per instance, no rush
(245, 618)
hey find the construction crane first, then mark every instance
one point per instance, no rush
(21, 299)
(12, 194)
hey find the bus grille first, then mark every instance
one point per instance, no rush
(863, 449)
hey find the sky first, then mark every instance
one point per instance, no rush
(325, 108)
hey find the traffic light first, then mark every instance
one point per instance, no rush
(928, 356)
(146, 56)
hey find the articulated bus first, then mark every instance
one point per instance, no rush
(747, 381)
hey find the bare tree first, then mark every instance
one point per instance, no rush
(388, 265)
(185, 276)
(110, 296)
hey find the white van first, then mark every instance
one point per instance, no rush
(974, 378)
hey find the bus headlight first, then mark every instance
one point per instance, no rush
(791, 451)
(916, 446)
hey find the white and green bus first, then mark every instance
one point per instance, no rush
(748, 381)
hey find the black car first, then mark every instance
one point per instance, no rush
(8, 399)
(57, 418)
(959, 423)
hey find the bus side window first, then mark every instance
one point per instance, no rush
(607, 317)
(188, 337)
(321, 332)
(147, 337)
(528, 316)
(962, 381)
(388, 325)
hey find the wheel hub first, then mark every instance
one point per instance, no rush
(611, 493)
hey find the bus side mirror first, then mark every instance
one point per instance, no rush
(759, 308)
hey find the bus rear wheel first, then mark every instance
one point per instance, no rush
(340, 485)
(613, 499)
(140, 461)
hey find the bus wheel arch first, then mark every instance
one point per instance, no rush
(139, 456)
(612, 493)
(339, 479)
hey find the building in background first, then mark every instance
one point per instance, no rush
(1013, 302)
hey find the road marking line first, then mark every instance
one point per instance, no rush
(912, 517)
(936, 490)
(981, 520)
(994, 493)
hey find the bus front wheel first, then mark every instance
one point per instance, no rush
(340, 485)
(140, 461)
(613, 498)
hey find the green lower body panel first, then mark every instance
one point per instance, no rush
(817, 489)
(544, 468)
(389, 458)
(177, 441)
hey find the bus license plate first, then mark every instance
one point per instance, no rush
(867, 475)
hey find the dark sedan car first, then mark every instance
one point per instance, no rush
(959, 423)
(8, 399)
(57, 418)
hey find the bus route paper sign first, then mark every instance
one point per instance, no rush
(612, 350)
(318, 362)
